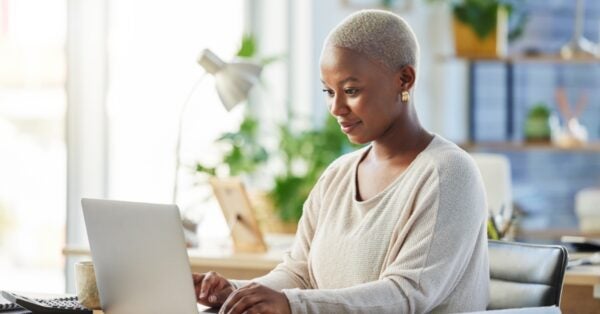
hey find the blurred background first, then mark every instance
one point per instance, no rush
(91, 92)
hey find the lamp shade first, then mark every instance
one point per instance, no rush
(233, 80)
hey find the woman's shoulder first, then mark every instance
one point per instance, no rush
(448, 157)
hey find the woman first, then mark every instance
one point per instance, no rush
(395, 227)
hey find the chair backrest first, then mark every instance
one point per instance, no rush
(525, 275)
(495, 172)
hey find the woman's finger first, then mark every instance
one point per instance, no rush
(197, 279)
(236, 296)
(208, 284)
(220, 296)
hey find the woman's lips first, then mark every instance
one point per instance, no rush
(347, 127)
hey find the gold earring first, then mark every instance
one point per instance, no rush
(405, 96)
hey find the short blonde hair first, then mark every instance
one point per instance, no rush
(380, 35)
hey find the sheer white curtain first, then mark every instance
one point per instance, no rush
(32, 144)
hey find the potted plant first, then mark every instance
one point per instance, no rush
(537, 124)
(303, 156)
(481, 27)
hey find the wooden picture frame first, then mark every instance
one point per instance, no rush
(237, 209)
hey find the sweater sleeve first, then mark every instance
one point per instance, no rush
(293, 271)
(447, 225)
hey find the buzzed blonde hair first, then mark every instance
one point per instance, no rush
(380, 35)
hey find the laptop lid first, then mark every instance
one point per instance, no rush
(140, 257)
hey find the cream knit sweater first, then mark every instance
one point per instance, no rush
(419, 246)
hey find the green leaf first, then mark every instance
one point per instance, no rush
(208, 170)
(481, 16)
(248, 47)
(539, 110)
(317, 148)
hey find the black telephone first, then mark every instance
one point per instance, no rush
(54, 305)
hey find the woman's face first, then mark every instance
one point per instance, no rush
(361, 94)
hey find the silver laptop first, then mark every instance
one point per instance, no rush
(140, 257)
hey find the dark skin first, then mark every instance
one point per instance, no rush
(365, 97)
(211, 288)
(214, 290)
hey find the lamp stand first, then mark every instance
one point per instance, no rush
(179, 135)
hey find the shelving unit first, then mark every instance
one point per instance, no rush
(546, 175)
(593, 147)
(509, 63)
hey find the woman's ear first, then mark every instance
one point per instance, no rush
(406, 77)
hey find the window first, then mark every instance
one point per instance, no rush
(152, 51)
(32, 144)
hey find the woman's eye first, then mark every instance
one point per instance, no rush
(351, 91)
(329, 92)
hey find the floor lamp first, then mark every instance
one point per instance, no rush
(233, 82)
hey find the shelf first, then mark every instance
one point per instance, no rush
(541, 58)
(510, 63)
(593, 147)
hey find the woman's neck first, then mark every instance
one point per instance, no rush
(402, 142)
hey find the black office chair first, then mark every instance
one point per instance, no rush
(525, 275)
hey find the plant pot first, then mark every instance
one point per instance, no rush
(267, 216)
(537, 129)
(468, 45)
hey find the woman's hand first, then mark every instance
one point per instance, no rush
(255, 298)
(211, 288)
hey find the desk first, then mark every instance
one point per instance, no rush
(581, 289)
(229, 264)
(223, 261)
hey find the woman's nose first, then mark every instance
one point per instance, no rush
(338, 106)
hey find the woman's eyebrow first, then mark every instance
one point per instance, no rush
(344, 81)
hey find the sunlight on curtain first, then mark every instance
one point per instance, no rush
(32, 144)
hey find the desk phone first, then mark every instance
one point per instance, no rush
(52, 305)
